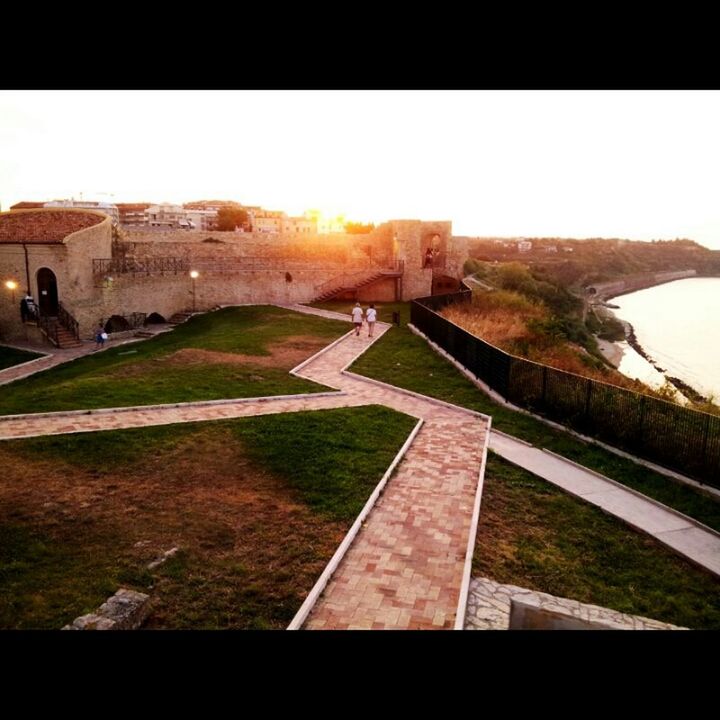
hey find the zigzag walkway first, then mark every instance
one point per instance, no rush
(406, 566)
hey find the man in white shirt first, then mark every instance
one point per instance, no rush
(357, 318)
(371, 317)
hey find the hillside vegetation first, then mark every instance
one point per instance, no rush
(531, 316)
(526, 309)
(573, 263)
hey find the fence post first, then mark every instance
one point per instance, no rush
(706, 432)
(508, 373)
(544, 386)
(588, 393)
(640, 421)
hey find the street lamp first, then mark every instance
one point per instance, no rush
(194, 274)
(11, 285)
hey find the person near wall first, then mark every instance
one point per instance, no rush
(357, 318)
(31, 307)
(100, 336)
(428, 258)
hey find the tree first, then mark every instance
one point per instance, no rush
(229, 218)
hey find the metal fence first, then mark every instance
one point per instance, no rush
(670, 435)
(140, 266)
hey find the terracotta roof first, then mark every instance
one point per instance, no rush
(132, 206)
(26, 205)
(47, 226)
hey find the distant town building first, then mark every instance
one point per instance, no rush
(266, 221)
(326, 225)
(166, 215)
(26, 205)
(299, 225)
(524, 245)
(107, 208)
(202, 219)
(133, 214)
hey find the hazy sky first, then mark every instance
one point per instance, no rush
(630, 164)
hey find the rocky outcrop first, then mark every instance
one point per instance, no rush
(125, 610)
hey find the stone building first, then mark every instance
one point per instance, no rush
(83, 271)
(48, 253)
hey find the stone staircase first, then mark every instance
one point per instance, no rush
(66, 339)
(180, 317)
(346, 283)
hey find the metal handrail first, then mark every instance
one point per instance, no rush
(68, 321)
(140, 265)
(353, 279)
(48, 325)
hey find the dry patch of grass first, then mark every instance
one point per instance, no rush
(283, 355)
(500, 317)
(257, 507)
(251, 549)
(505, 319)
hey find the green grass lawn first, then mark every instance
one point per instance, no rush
(247, 353)
(257, 507)
(403, 359)
(534, 535)
(12, 356)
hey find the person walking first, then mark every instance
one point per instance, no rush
(100, 337)
(357, 318)
(371, 317)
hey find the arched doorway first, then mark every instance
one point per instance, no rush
(47, 292)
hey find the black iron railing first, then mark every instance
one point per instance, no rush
(68, 321)
(140, 266)
(49, 327)
(665, 433)
(50, 324)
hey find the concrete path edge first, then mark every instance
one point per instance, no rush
(637, 493)
(472, 536)
(322, 581)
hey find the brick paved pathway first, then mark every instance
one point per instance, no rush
(56, 356)
(405, 567)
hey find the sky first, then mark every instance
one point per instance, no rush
(633, 164)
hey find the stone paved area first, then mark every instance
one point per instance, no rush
(405, 567)
(489, 605)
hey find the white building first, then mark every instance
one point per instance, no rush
(107, 208)
(202, 219)
(166, 215)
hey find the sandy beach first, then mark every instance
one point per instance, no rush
(611, 351)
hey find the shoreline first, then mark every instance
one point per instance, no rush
(613, 353)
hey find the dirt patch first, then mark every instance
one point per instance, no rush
(284, 355)
(250, 550)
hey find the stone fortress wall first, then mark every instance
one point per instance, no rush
(234, 268)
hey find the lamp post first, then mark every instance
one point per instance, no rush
(11, 285)
(194, 274)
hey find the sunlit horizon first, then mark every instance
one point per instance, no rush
(640, 165)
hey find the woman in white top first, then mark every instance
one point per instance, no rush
(371, 316)
(357, 317)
